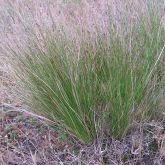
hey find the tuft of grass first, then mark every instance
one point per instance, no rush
(100, 85)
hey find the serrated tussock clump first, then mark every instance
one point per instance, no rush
(95, 77)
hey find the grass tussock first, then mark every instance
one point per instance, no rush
(97, 81)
